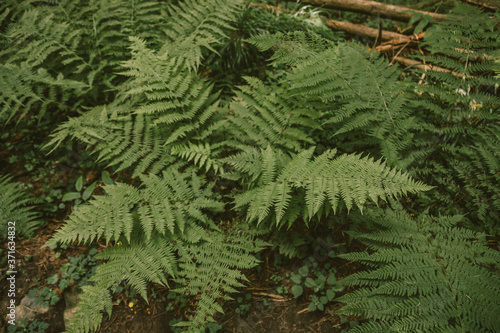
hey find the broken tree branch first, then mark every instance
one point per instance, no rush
(425, 67)
(372, 7)
(357, 29)
(397, 43)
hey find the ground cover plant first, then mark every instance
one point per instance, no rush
(206, 145)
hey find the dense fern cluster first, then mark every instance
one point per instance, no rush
(354, 91)
(427, 275)
(458, 151)
(65, 55)
(135, 73)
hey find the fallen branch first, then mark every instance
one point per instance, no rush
(488, 4)
(397, 43)
(425, 67)
(354, 29)
(372, 7)
(357, 29)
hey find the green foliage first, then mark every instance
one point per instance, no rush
(89, 317)
(16, 210)
(170, 96)
(168, 206)
(243, 308)
(80, 195)
(147, 226)
(215, 271)
(26, 326)
(305, 188)
(79, 270)
(320, 281)
(237, 58)
(262, 115)
(46, 38)
(426, 275)
(45, 295)
(353, 90)
(443, 129)
(458, 150)
(198, 170)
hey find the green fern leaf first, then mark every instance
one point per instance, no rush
(427, 275)
(348, 177)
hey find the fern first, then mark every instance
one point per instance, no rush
(59, 38)
(23, 89)
(17, 207)
(309, 188)
(165, 123)
(93, 301)
(460, 143)
(427, 275)
(162, 110)
(162, 228)
(445, 132)
(352, 88)
(168, 206)
(196, 26)
(212, 270)
(261, 115)
(201, 155)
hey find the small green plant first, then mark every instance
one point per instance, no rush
(180, 299)
(172, 324)
(78, 270)
(34, 326)
(243, 307)
(321, 281)
(265, 302)
(213, 327)
(46, 296)
(81, 195)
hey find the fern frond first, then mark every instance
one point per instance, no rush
(201, 155)
(355, 90)
(261, 115)
(325, 179)
(88, 317)
(138, 264)
(196, 26)
(212, 270)
(166, 206)
(427, 275)
(16, 210)
(23, 89)
(118, 138)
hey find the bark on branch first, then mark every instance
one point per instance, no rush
(398, 43)
(425, 67)
(372, 7)
(357, 29)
